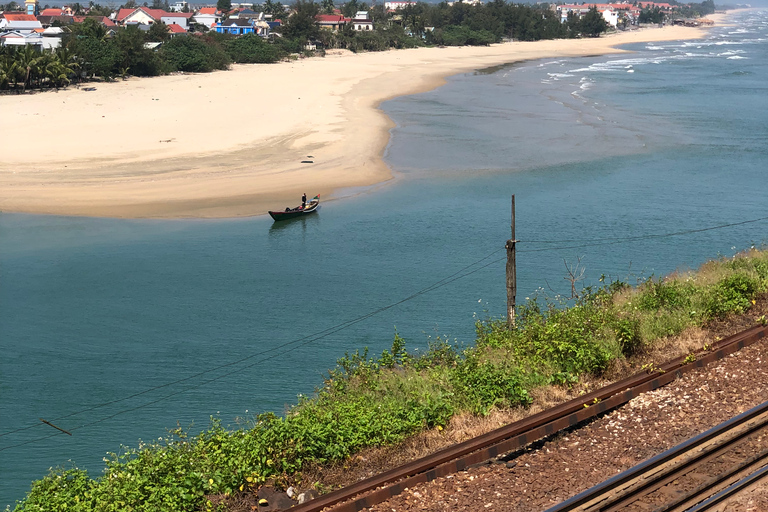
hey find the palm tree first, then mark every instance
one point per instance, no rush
(6, 70)
(28, 65)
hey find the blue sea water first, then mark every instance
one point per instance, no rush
(118, 329)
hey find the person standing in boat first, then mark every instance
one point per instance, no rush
(304, 201)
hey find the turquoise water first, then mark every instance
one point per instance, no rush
(116, 330)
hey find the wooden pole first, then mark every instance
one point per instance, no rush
(511, 273)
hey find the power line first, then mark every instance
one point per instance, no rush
(300, 342)
(640, 237)
(306, 340)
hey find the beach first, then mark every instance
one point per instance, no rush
(239, 142)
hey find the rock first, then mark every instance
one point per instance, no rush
(291, 492)
(307, 496)
(271, 499)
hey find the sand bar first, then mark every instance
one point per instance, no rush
(232, 143)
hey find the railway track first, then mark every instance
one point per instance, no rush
(371, 491)
(699, 474)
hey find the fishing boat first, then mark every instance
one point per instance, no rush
(299, 211)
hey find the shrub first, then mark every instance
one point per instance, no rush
(659, 294)
(731, 295)
(191, 54)
(485, 385)
(252, 49)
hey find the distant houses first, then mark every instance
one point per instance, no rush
(245, 21)
(612, 13)
(335, 22)
(147, 16)
(45, 28)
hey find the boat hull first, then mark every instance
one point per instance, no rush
(292, 214)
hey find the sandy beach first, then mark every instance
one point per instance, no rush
(234, 143)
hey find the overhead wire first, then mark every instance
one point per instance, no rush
(305, 340)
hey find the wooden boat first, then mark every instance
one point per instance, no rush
(299, 211)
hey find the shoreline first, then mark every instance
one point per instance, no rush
(232, 143)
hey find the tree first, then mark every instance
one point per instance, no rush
(275, 8)
(350, 8)
(134, 57)
(302, 25)
(158, 32)
(99, 57)
(593, 24)
(251, 48)
(224, 5)
(192, 54)
(328, 6)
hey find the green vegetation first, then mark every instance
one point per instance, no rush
(367, 401)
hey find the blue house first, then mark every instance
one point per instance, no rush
(236, 27)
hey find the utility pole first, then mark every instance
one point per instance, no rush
(511, 273)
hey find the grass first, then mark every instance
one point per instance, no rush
(399, 404)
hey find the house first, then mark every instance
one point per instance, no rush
(147, 16)
(103, 20)
(175, 30)
(207, 16)
(52, 37)
(361, 22)
(61, 20)
(17, 38)
(334, 22)
(24, 23)
(177, 18)
(393, 6)
(236, 27)
(179, 7)
(52, 12)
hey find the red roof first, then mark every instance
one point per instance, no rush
(20, 17)
(209, 10)
(155, 14)
(125, 12)
(176, 29)
(101, 19)
(331, 18)
(51, 12)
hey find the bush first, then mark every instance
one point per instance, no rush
(252, 49)
(731, 295)
(100, 58)
(193, 55)
(673, 294)
(485, 385)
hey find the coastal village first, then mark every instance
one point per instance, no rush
(44, 27)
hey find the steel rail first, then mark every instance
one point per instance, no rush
(731, 491)
(597, 498)
(455, 458)
(717, 484)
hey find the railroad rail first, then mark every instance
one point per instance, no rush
(702, 472)
(378, 488)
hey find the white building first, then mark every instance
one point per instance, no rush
(207, 16)
(23, 23)
(361, 22)
(392, 6)
(612, 17)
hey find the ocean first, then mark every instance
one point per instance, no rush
(631, 165)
